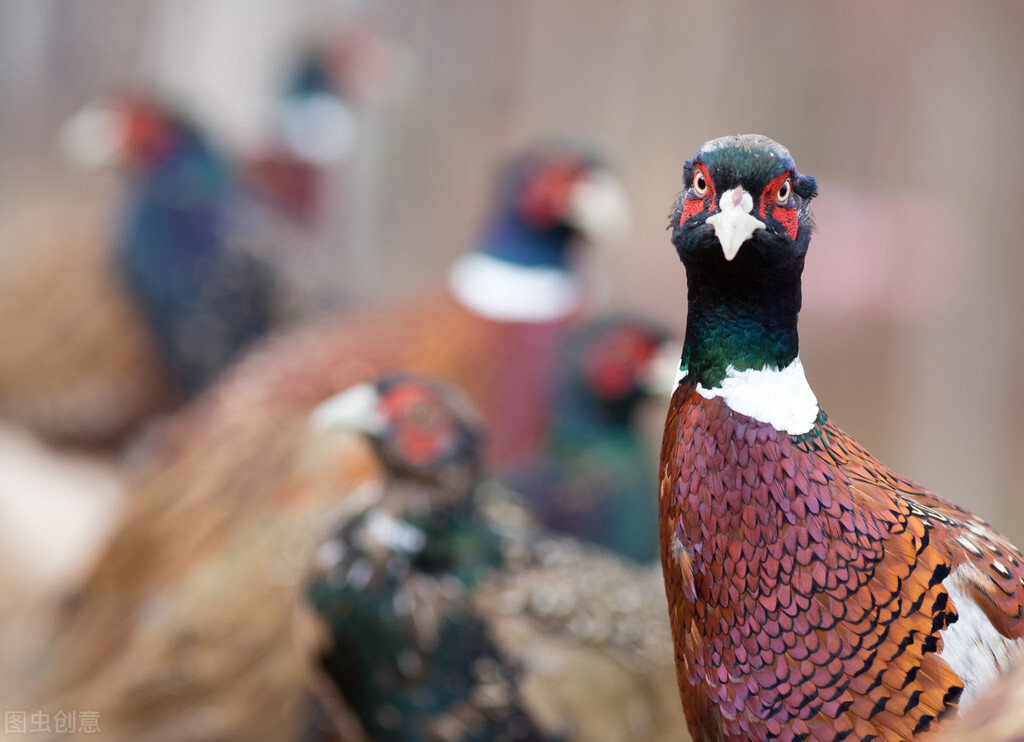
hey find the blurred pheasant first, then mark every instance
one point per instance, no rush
(113, 344)
(204, 297)
(195, 645)
(432, 618)
(314, 128)
(813, 592)
(596, 476)
(303, 167)
(80, 364)
(234, 465)
(495, 332)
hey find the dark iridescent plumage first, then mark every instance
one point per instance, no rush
(205, 299)
(596, 477)
(433, 606)
(814, 593)
(404, 648)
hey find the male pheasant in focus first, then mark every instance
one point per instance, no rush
(434, 612)
(813, 592)
(595, 477)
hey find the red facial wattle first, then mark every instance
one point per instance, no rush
(783, 214)
(545, 200)
(694, 206)
(419, 419)
(147, 138)
(614, 366)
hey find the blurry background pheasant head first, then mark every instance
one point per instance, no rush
(204, 288)
(423, 431)
(550, 198)
(131, 129)
(560, 190)
(611, 364)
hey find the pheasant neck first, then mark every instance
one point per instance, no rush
(518, 273)
(737, 326)
(743, 347)
(512, 240)
(577, 410)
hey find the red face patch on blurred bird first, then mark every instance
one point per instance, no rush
(615, 365)
(147, 136)
(776, 202)
(421, 426)
(545, 198)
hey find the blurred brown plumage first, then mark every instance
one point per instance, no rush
(79, 363)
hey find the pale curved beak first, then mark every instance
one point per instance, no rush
(93, 137)
(354, 409)
(734, 223)
(599, 207)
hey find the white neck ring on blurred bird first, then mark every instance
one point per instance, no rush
(506, 292)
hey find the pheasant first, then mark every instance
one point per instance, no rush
(595, 476)
(302, 168)
(118, 336)
(814, 594)
(433, 611)
(225, 468)
(204, 298)
(315, 127)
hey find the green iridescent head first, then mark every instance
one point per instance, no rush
(743, 192)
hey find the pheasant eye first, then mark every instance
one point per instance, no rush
(784, 190)
(700, 184)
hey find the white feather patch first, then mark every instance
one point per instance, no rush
(321, 129)
(503, 291)
(396, 535)
(780, 397)
(94, 136)
(972, 646)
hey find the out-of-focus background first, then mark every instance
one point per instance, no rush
(908, 114)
